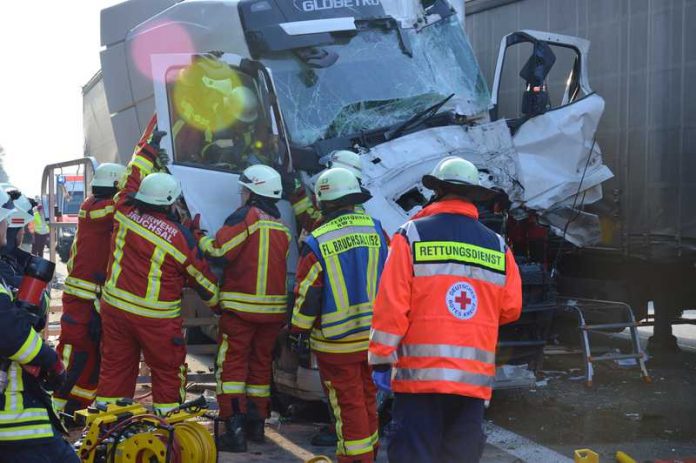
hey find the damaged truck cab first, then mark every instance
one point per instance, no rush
(285, 83)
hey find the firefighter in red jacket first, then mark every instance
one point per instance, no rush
(448, 284)
(307, 213)
(153, 257)
(80, 330)
(337, 278)
(253, 244)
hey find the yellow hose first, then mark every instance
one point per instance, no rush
(196, 443)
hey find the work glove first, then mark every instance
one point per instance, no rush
(382, 380)
(162, 159)
(55, 377)
(94, 327)
(14, 194)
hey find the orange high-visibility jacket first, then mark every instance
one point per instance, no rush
(448, 284)
(89, 254)
(254, 244)
(153, 256)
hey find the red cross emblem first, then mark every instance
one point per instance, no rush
(463, 300)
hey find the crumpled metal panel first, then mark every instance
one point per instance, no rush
(396, 167)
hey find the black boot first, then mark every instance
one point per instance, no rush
(326, 437)
(255, 423)
(234, 438)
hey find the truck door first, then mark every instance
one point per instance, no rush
(221, 116)
(542, 91)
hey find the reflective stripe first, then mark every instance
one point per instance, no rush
(462, 270)
(233, 387)
(355, 318)
(302, 321)
(154, 275)
(338, 284)
(86, 295)
(448, 351)
(82, 214)
(119, 241)
(82, 284)
(333, 401)
(375, 438)
(352, 343)
(34, 431)
(372, 268)
(258, 390)
(340, 233)
(443, 374)
(302, 206)
(15, 387)
(374, 359)
(305, 284)
(29, 350)
(100, 213)
(262, 261)
(382, 337)
(58, 404)
(207, 244)
(254, 298)
(202, 280)
(143, 232)
(253, 308)
(163, 409)
(67, 355)
(182, 382)
(139, 306)
(83, 393)
(344, 221)
(220, 361)
(143, 164)
(443, 251)
(358, 447)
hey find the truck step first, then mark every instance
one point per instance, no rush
(605, 357)
(608, 326)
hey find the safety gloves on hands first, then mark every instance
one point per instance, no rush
(55, 377)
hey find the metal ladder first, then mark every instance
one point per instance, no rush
(584, 309)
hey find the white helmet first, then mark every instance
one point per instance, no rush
(262, 180)
(348, 160)
(5, 212)
(339, 183)
(458, 175)
(107, 175)
(22, 214)
(245, 103)
(159, 189)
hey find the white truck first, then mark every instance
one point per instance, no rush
(394, 80)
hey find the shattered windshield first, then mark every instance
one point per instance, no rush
(375, 84)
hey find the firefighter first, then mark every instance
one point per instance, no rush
(448, 284)
(307, 214)
(13, 260)
(152, 257)
(29, 431)
(41, 231)
(80, 324)
(337, 278)
(254, 244)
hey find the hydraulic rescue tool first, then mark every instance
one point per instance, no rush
(128, 432)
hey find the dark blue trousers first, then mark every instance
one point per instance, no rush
(55, 451)
(436, 428)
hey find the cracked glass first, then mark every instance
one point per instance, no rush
(374, 84)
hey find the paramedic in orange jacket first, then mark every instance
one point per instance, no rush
(337, 278)
(153, 257)
(448, 284)
(254, 245)
(80, 325)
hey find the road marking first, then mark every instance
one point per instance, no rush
(521, 447)
(288, 445)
